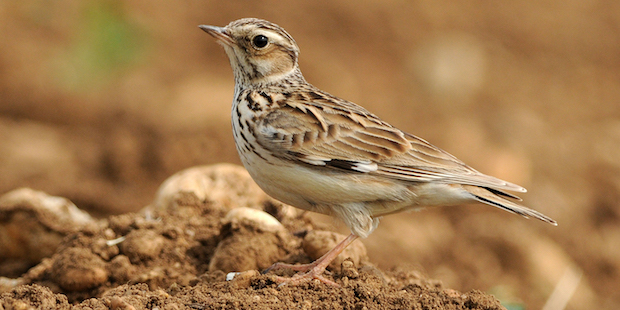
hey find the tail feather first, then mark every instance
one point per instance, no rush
(491, 197)
(504, 194)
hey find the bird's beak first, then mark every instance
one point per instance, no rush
(219, 33)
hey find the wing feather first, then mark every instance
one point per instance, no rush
(319, 131)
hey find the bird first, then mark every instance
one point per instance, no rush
(318, 152)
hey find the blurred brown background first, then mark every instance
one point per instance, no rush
(100, 101)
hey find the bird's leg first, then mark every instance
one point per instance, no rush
(315, 269)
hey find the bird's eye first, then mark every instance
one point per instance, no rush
(260, 41)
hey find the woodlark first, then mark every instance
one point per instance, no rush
(321, 153)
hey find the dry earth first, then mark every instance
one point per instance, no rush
(206, 225)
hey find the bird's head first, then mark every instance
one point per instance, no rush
(260, 52)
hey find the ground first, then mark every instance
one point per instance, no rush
(181, 251)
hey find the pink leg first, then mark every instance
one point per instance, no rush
(315, 269)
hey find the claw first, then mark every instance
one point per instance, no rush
(314, 270)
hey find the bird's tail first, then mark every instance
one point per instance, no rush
(491, 197)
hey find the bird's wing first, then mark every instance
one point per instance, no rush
(320, 130)
(426, 162)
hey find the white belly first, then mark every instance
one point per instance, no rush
(318, 189)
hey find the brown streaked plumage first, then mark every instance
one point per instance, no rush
(321, 153)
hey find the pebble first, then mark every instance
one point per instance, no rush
(228, 185)
(263, 220)
(242, 279)
(36, 223)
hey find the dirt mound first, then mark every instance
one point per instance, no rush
(200, 247)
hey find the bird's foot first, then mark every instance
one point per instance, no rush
(312, 274)
(314, 270)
